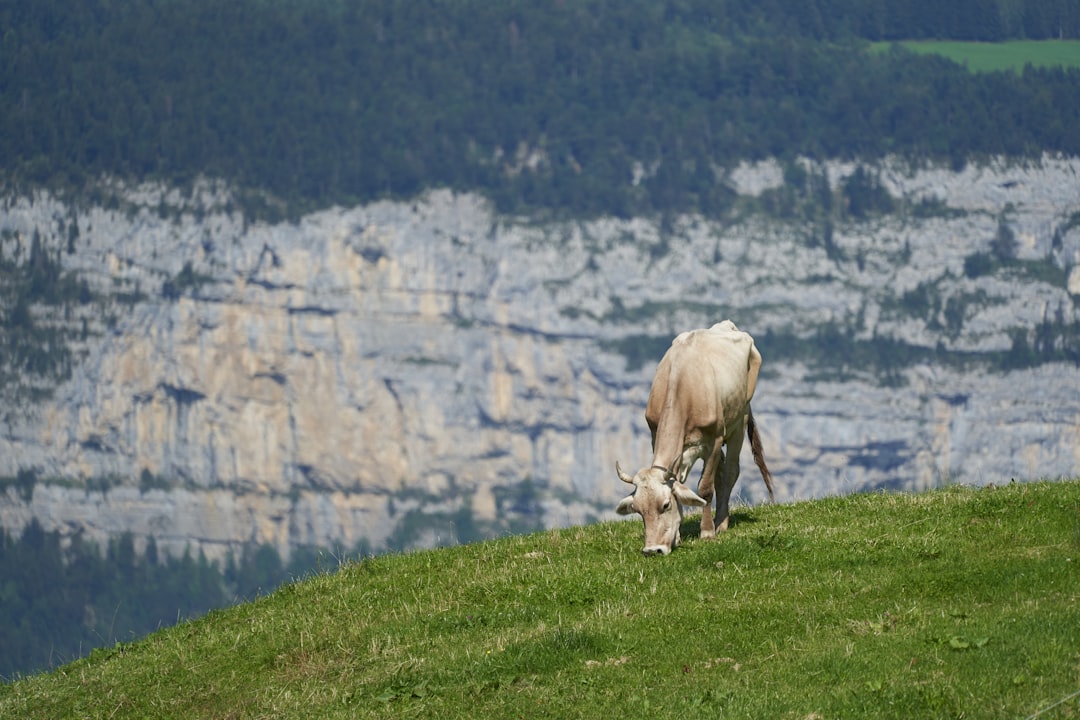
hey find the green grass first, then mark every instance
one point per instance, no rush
(987, 57)
(955, 603)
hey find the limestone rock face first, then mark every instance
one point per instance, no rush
(366, 373)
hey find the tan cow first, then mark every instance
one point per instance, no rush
(700, 402)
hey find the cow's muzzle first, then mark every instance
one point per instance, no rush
(655, 550)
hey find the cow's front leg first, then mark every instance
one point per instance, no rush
(713, 462)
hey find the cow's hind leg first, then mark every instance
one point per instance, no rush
(713, 462)
(729, 472)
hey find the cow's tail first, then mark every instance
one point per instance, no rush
(759, 454)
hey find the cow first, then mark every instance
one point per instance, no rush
(699, 403)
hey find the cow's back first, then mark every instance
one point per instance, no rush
(703, 374)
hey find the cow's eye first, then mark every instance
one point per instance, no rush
(667, 506)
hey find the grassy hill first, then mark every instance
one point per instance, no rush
(955, 603)
(989, 57)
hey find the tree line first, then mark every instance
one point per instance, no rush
(578, 106)
(60, 600)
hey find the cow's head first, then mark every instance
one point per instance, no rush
(658, 497)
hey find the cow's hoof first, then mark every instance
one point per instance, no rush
(708, 534)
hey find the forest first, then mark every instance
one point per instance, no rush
(60, 600)
(577, 107)
(62, 597)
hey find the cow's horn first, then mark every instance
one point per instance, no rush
(623, 476)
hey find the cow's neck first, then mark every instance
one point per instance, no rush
(668, 446)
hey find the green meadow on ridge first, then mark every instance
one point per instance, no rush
(958, 602)
(995, 56)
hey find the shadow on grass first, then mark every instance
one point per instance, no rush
(691, 526)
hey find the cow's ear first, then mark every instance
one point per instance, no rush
(686, 496)
(626, 507)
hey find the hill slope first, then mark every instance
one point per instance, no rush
(954, 602)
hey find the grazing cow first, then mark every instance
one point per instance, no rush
(700, 402)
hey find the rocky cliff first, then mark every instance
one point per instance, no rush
(408, 373)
